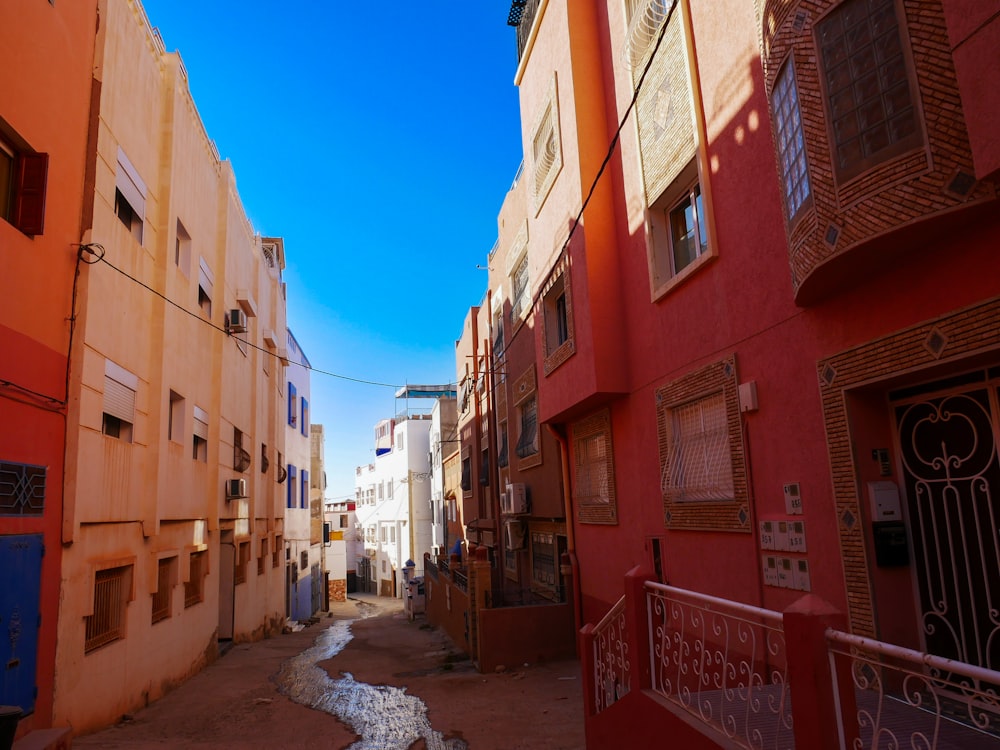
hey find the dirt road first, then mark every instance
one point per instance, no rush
(237, 703)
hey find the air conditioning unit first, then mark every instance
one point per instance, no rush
(236, 321)
(515, 500)
(513, 533)
(236, 488)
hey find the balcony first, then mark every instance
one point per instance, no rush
(522, 17)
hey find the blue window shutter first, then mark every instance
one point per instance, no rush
(291, 486)
(292, 411)
(305, 417)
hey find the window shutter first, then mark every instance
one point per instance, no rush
(119, 400)
(200, 423)
(292, 411)
(29, 209)
(128, 181)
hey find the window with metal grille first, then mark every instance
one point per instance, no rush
(22, 489)
(527, 441)
(543, 559)
(790, 140)
(242, 562)
(166, 574)
(593, 470)
(699, 465)
(520, 295)
(194, 587)
(112, 591)
(867, 82)
(546, 148)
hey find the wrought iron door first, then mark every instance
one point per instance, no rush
(951, 471)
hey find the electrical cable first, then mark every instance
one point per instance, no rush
(99, 257)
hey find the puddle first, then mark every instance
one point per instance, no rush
(385, 717)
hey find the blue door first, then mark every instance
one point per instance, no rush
(20, 586)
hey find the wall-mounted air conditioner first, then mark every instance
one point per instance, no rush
(514, 502)
(236, 488)
(236, 321)
(513, 533)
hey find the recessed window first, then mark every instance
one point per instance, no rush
(679, 227)
(293, 405)
(593, 474)
(175, 418)
(520, 292)
(119, 402)
(304, 560)
(527, 440)
(466, 474)
(23, 179)
(866, 78)
(182, 249)
(194, 587)
(166, 577)
(262, 557)
(304, 425)
(112, 592)
(699, 466)
(276, 552)
(293, 486)
(790, 141)
(130, 196)
(242, 562)
(304, 493)
(484, 469)
(241, 456)
(206, 286)
(200, 435)
(688, 239)
(502, 454)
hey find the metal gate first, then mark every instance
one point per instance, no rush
(20, 587)
(948, 447)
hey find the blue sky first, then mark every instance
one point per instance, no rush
(378, 139)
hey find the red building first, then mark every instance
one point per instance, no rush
(44, 118)
(764, 302)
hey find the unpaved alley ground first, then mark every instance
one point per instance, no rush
(237, 703)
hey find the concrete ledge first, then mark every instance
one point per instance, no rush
(45, 739)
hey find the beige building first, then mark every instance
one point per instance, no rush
(173, 523)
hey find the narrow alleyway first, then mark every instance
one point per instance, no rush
(367, 679)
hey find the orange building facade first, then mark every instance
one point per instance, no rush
(44, 123)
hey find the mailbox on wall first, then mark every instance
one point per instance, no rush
(891, 547)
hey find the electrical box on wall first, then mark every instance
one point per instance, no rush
(793, 499)
(748, 396)
(884, 498)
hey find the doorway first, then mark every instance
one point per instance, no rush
(947, 433)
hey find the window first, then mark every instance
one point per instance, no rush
(112, 592)
(484, 469)
(130, 196)
(343, 520)
(392, 535)
(543, 559)
(305, 417)
(383, 533)
(466, 474)
(175, 418)
(182, 249)
(242, 562)
(119, 402)
(502, 457)
(304, 560)
(520, 293)
(262, 557)
(388, 490)
(790, 141)
(292, 486)
(702, 464)
(22, 489)
(265, 462)
(206, 286)
(400, 440)
(166, 577)
(645, 18)
(557, 313)
(23, 178)
(241, 456)
(194, 587)
(200, 436)
(699, 464)
(304, 493)
(594, 480)
(293, 407)
(276, 552)
(527, 441)
(869, 99)
(688, 239)
(546, 149)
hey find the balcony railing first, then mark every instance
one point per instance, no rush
(611, 663)
(723, 663)
(905, 698)
(522, 15)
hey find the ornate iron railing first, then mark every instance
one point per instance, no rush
(612, 679)
(906, 698)
(722, 662)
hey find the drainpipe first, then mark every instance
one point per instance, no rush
(570, 534)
